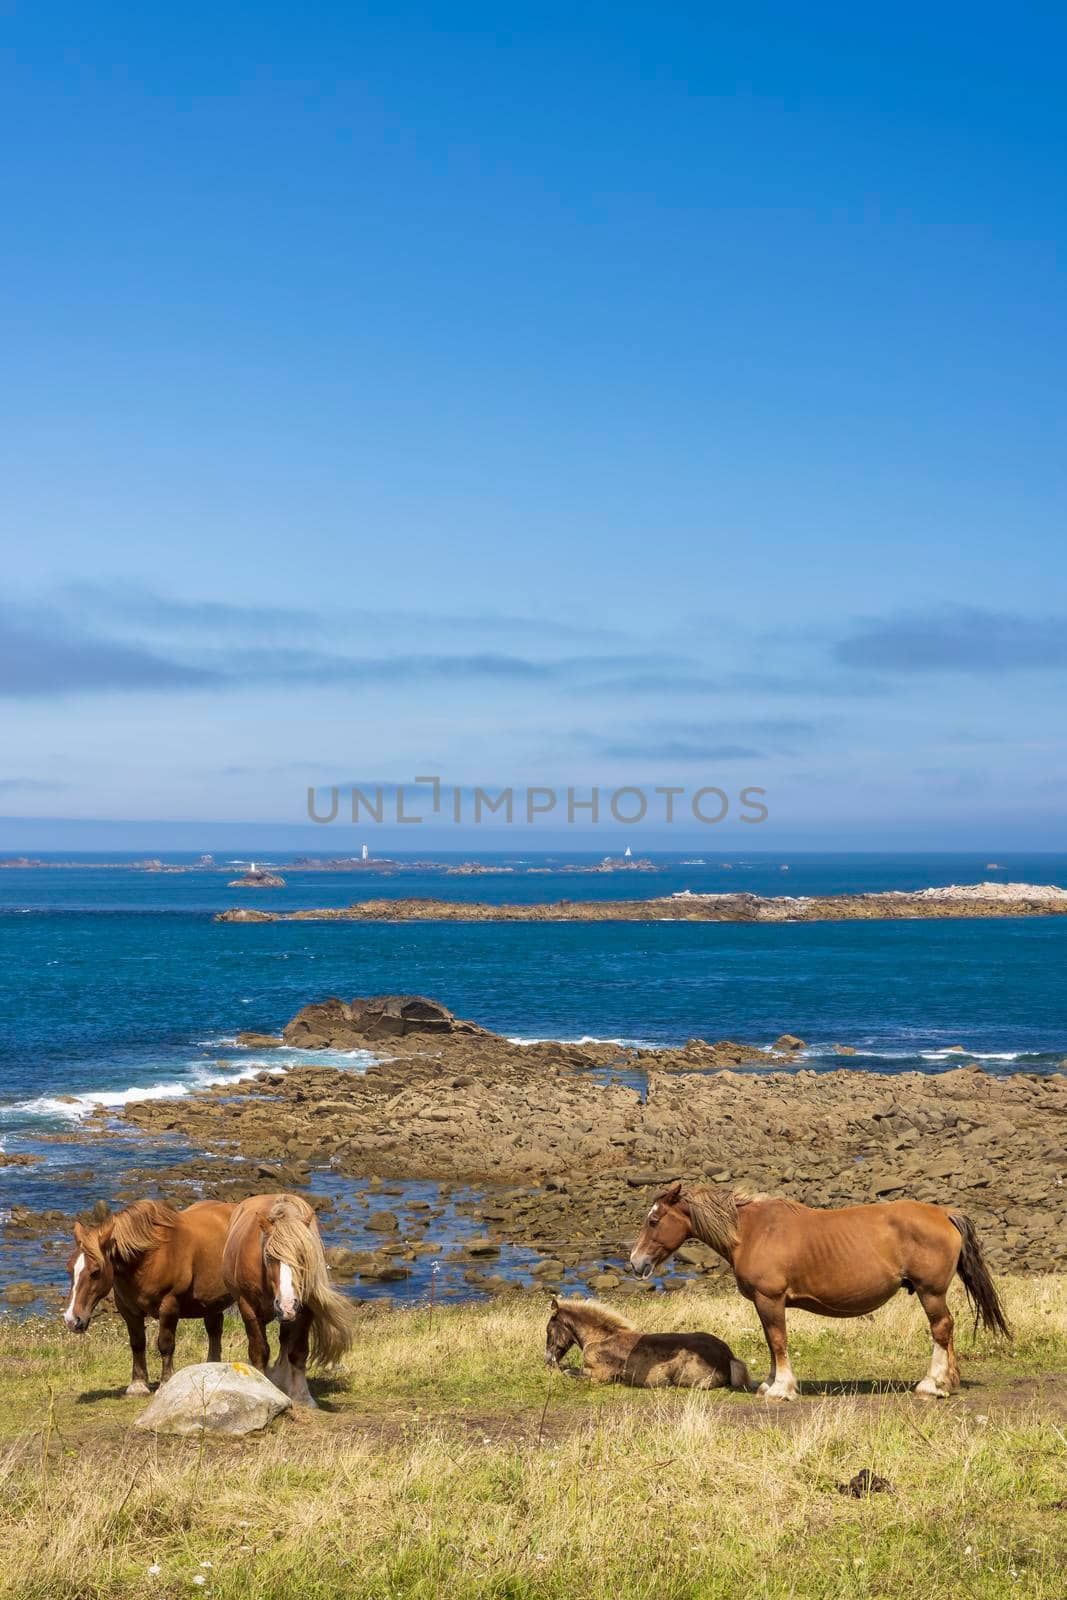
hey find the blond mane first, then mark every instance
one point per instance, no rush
(594, 1315)
(294, 1239)
(713, 1212)
(143, 1226)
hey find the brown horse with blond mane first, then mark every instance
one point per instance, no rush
(841, 1263)
(161, 1263)
(614, 1351)
(274, 1267)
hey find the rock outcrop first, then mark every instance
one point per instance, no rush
(339, 1025)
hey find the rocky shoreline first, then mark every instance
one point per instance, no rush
(954, 900)
(563, 1153)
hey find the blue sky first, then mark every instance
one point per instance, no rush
(643, 397)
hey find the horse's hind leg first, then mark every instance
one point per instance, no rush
(781, 1385)
(213, 1324)
(943, 1377)
(138, 1343)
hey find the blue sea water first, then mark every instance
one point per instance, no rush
(115, 984)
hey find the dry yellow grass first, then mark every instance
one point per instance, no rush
(450, 1463)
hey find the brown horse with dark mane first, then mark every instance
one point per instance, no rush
(274, 1267)
(614, 1351)
(161, 1263)
(837, 1263)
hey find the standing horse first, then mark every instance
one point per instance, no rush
(274, 1266)
(161, 1263)
(837, 1263)
(613, 1351)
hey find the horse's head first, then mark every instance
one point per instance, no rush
(667, 1226)
(559, 1336)
(91, 1274)
(284, 1283)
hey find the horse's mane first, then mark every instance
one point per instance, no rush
(713, 1212)
(294, 1238)
(143, 1226)
(595, 1314)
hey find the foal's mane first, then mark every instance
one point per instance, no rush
(142, 1226)
(293, 1239)
(595, 1314)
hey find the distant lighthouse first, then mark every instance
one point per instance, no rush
(365, 854)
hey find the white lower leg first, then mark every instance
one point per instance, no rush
(936, 1381)
(784, 1385)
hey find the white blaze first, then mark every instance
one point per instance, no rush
(286, 1296)
(68, 1315)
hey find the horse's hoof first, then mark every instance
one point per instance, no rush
(137, 1387)
(930, 1390)
(774, 1393)
(763, 1388)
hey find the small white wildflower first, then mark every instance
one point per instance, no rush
(154, 1570)
(207, 1563)
(981, 1419)
(198, 1577)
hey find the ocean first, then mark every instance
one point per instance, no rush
(117, 984)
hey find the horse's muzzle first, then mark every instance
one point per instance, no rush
(286, 1314)
(76, 1324)
(642, 1269)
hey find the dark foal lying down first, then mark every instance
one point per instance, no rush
(613, 1351)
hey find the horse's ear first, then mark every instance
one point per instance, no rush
(671, 1196)
(553, 1305)
(79, 1233)
(105, 1236)
(264, 1225)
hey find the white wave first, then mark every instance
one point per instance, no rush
(74, 1107)
(973, 1055)
(588, 1038)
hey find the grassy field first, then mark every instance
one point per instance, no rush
(447, 1462)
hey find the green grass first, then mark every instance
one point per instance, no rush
(447, 1462)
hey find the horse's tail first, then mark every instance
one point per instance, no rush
(740, 1377)
(981, 1291)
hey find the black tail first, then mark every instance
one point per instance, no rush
(981, 1294)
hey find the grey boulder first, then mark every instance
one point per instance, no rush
(219, 1397)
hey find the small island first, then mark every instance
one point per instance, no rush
(953, 900)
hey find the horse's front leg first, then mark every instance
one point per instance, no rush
(168, 1328)
(293, 1359)
(781, 1385)
(134, 1321)
(943, 1377)
(256, 1329)
(213, 1324)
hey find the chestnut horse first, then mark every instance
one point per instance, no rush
(613, 1351)
(838, 1263)
(161, 1263)
(274, 1266)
